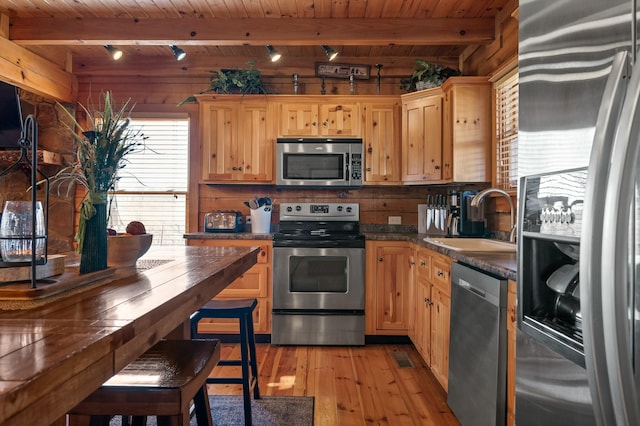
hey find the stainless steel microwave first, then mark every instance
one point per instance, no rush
(319, 162)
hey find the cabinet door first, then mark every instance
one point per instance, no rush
(298, 119)
(467, 130)
(382, 143)
(255, 283)
(511, 353)
(423, 320)
(394, 274)
(219, 154)
(422, 139)
(339, 120)
(255, 144)
(440, 335)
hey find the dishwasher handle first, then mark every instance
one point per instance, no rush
(489, 288)
(467, 286)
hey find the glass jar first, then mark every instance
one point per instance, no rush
(16, 231)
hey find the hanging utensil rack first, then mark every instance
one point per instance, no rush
(29, 145)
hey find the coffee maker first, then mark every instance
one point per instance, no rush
(453, 218)
(471, 218)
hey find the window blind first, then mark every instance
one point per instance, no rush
(153, 184)
(506, 92)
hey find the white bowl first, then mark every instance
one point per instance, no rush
(124, 250)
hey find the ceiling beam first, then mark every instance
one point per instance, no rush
(30, 72)
(202, 66)
(233, 32)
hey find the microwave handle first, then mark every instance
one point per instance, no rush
(347, 158)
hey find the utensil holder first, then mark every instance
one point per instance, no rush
(261, 220)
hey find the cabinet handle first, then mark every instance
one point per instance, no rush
(380, 259)
(368, 169)
(423, 263)
(440, 274)
(240, 168)
(437, 167)
(234, 168)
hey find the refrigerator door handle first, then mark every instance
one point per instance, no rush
(592, 235)
(617, 276)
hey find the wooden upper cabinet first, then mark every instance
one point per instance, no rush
(382, 141)
(466, 130)
(422, 136)
(237, 141)
(318, 117)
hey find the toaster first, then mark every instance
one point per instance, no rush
(223, 221)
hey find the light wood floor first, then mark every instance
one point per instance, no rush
(351, 385)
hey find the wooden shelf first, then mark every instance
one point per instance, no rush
(8, 157)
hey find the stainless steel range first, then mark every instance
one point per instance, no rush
(318, 275)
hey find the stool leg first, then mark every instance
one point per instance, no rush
(244, 357)
(202, 408)
(253, 360)
(194, 325)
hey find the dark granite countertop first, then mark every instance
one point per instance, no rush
(226, 236)
(500, 264)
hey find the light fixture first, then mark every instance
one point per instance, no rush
(273, 53)
(177, 52)
(113, 51)
(330, 52)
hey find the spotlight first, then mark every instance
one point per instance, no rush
(273, 53)
(177, 52)
(330, 52)
(114, 52)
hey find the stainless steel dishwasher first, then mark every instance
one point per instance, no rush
(478, 347)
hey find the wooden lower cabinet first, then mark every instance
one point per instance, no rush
(255, 283)
(389, 282)
(511, 353)
(432, 302)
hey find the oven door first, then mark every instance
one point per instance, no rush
(318, 278)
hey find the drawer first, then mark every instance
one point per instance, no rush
(423, 270)
(265, 246)
(441, 275)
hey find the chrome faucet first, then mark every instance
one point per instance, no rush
(475, 202)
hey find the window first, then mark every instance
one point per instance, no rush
(506, 92)
(153, 185)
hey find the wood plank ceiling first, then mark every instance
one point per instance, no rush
(228, 33)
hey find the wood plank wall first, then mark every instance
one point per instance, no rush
(376, 203)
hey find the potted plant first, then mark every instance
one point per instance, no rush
(234, 81)
(426, 76)
(102, 146)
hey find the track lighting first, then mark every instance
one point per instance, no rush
(113, 51)
(330, 52)
(273, 53)
(177, 52)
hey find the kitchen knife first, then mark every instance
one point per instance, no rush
(443, 213)
(429, 212)
(436, 212)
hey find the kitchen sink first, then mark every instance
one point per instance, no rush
(473, 244)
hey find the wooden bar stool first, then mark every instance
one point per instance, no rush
(162, 382)
(242, 309)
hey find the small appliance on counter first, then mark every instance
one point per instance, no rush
(223, 221)
(453, 218)
(471, 218)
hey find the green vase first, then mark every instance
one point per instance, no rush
(94, 247)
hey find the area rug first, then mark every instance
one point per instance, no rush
(227, 410)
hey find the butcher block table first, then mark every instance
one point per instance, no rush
(54, 353)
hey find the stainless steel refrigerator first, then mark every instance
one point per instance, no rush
(578, 338)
